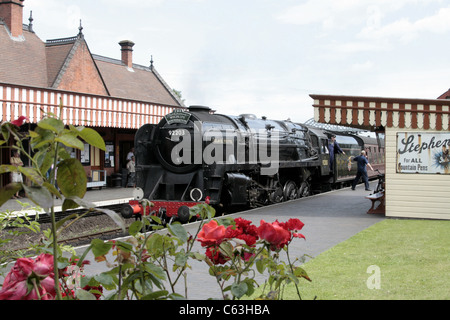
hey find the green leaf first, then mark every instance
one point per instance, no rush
(260, 265)
(178, 231)
(92, 137)
(156, 219)
(7, 168)
(135, 227)
(155, 295)
(251, 283)
(71, 178)
(70, 140)
(5, 131)
(100, 248)
(33, 174)
(40, 196)
(52, 189)
(8, 191)
(155, 270)
(44, 159)
(155, 244)
(69, 204)
(238, 290)
(52, 124)
(301, 273)
(226, 248)
(181, 259)
(198, 256)
(84, 295)
(105, 279)
(124, 246)
(45, 137)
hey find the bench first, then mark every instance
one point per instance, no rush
(379, 196)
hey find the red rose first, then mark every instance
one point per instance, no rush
(295, 225)
(249, 239)
(243, 230)
(43, 266)
(274, 233)
(26, 276)
(18, 122)
(216, 256)
(211, 234)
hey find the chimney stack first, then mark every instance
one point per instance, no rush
(11, 11)
(127, 52)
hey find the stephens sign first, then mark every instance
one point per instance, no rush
(423, 152)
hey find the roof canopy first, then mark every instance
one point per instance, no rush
(374, 113)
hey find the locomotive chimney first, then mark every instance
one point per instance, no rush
(127, 52)
(11, 11)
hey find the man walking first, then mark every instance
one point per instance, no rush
(362, 171)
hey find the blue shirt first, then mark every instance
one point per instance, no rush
(333, 148)
(362, 162)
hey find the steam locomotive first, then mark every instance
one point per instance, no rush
(195, 155)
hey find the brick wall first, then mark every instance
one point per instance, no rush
(12, 11)
(81, 75)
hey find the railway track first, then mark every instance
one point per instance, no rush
(45, 218)
(95, 224)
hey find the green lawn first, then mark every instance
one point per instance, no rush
(413, 257)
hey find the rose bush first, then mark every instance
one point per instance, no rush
(231, 253)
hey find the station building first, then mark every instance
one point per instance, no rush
(417, 144)
(113, 96)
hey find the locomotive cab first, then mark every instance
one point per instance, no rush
(319, 141)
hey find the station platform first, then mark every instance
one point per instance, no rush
(329, 219)
(100, 197)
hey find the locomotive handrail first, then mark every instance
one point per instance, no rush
(178, 127)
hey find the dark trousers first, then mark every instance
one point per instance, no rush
(364, 176)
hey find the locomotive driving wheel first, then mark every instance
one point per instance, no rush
(290, 191)
(304, 190)
(276, 196)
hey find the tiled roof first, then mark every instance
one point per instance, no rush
(140, 83)
(29, 61)
(445, 95)
(22, 61)
(57, 53)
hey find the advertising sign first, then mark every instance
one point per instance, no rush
(423, 152)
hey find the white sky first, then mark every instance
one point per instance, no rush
(266, 56)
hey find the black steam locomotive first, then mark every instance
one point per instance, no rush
(196, 155)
